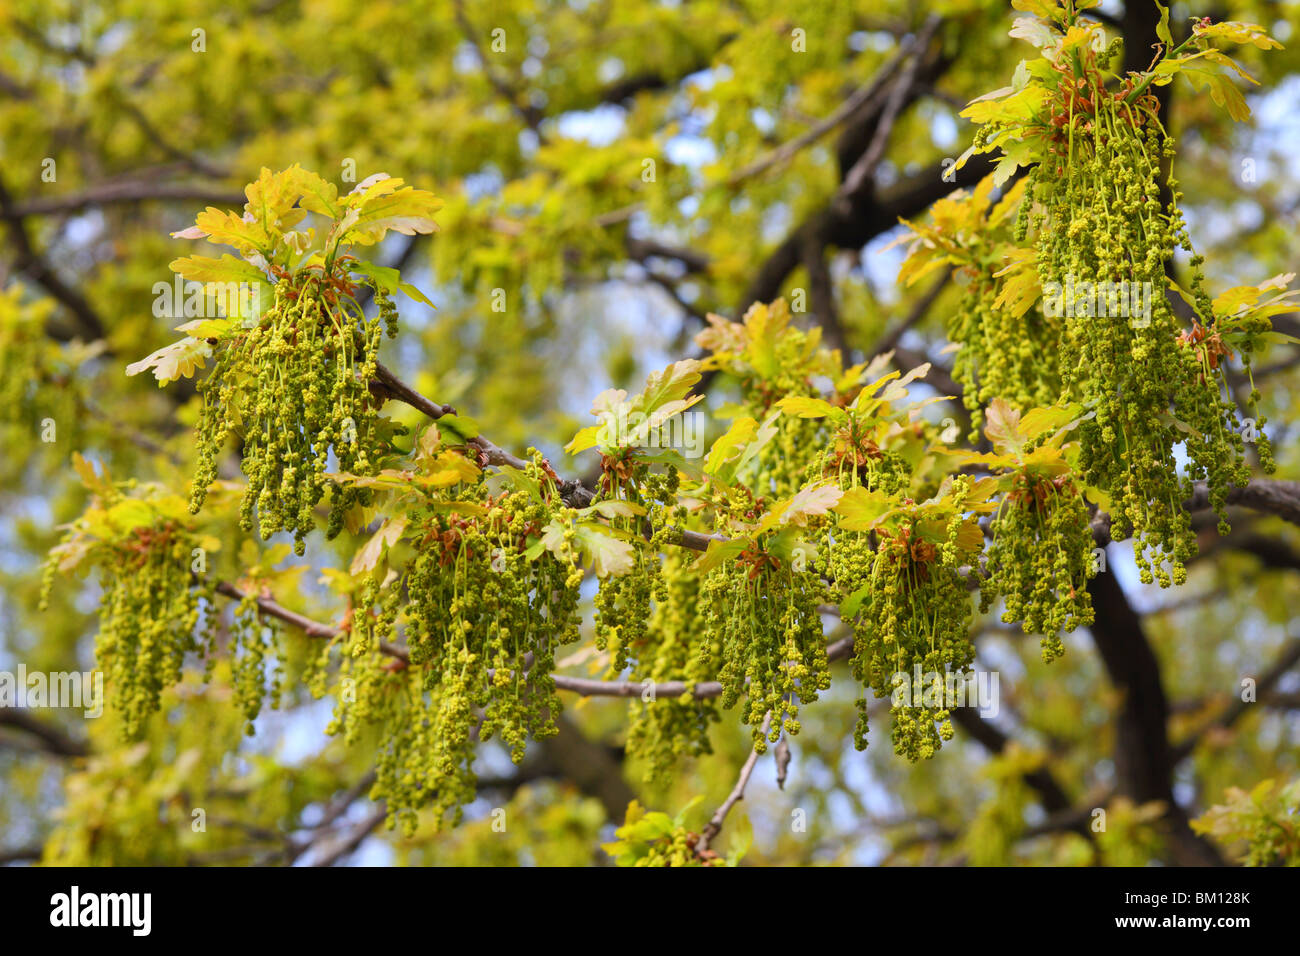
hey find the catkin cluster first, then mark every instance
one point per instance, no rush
(1040, 559)
(677, 849)
(483, 619)
(623, 604)
(676, 647)
(295, 387)
(1007, 349)
(763, 616)
(1105, 231)
(918, 615)
(149, 616)
(252, 642)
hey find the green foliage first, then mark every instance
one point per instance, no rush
(656, 839)
(763, 614)
(1008, 348)
(491, 592)
(772, 359)
(677, 646)
(917, 606)
(824, 490)
(1267, 820)
(1041, 554)
(143, 548)
(541, 825)
(1100, 158)
(294, 380)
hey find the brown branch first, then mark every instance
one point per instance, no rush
(531, 116)
(582, 686)
(355, 837)
(155, 136)
(1285, 661)
(129, 191)
(1269, 496)
(1144, 760)
(864, 102)
(399, 390)
(643, 249)
(30, 261)
(670, 288)
(22, 854)
(873, 215)
(51, 739)
(861, 172)
(1265, 495)
(822, 291)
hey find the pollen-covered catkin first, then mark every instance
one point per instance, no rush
(295, 387)
(1040, 559)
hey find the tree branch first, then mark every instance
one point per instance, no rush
(36, 266)
(128, 191)
(1288, 658)
(51, 739)
(714, 826)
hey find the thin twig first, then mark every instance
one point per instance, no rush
(354, 839)
(863, 99)
(866, 164)
(714, 826)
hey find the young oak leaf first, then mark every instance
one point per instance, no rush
(176, 361)
(1237, 32)
(386, 207)
(230, 229)
(427, 445)
(863, 510)
(226, 269)
(207, 328)
(615, 509)
(808, 503)
(448, 468)
(585, 438)
(669, 385)
(390, 280)
(272, 198)
(130, 513)
(608, 406)
(1002, 427)
(384, 538)
(1040, 421)
(898, 390)
(1223, 92)
(718, 552)
(970, 537)
(628, 423)
(806, 406)
(318, 195)
(608, 556)
(1241, 300)
(102, 486)
(741, 444)
(1047, 9)
(729, 446)
(1035, 31)
(460, 428)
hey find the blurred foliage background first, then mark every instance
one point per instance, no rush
(617, 169)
